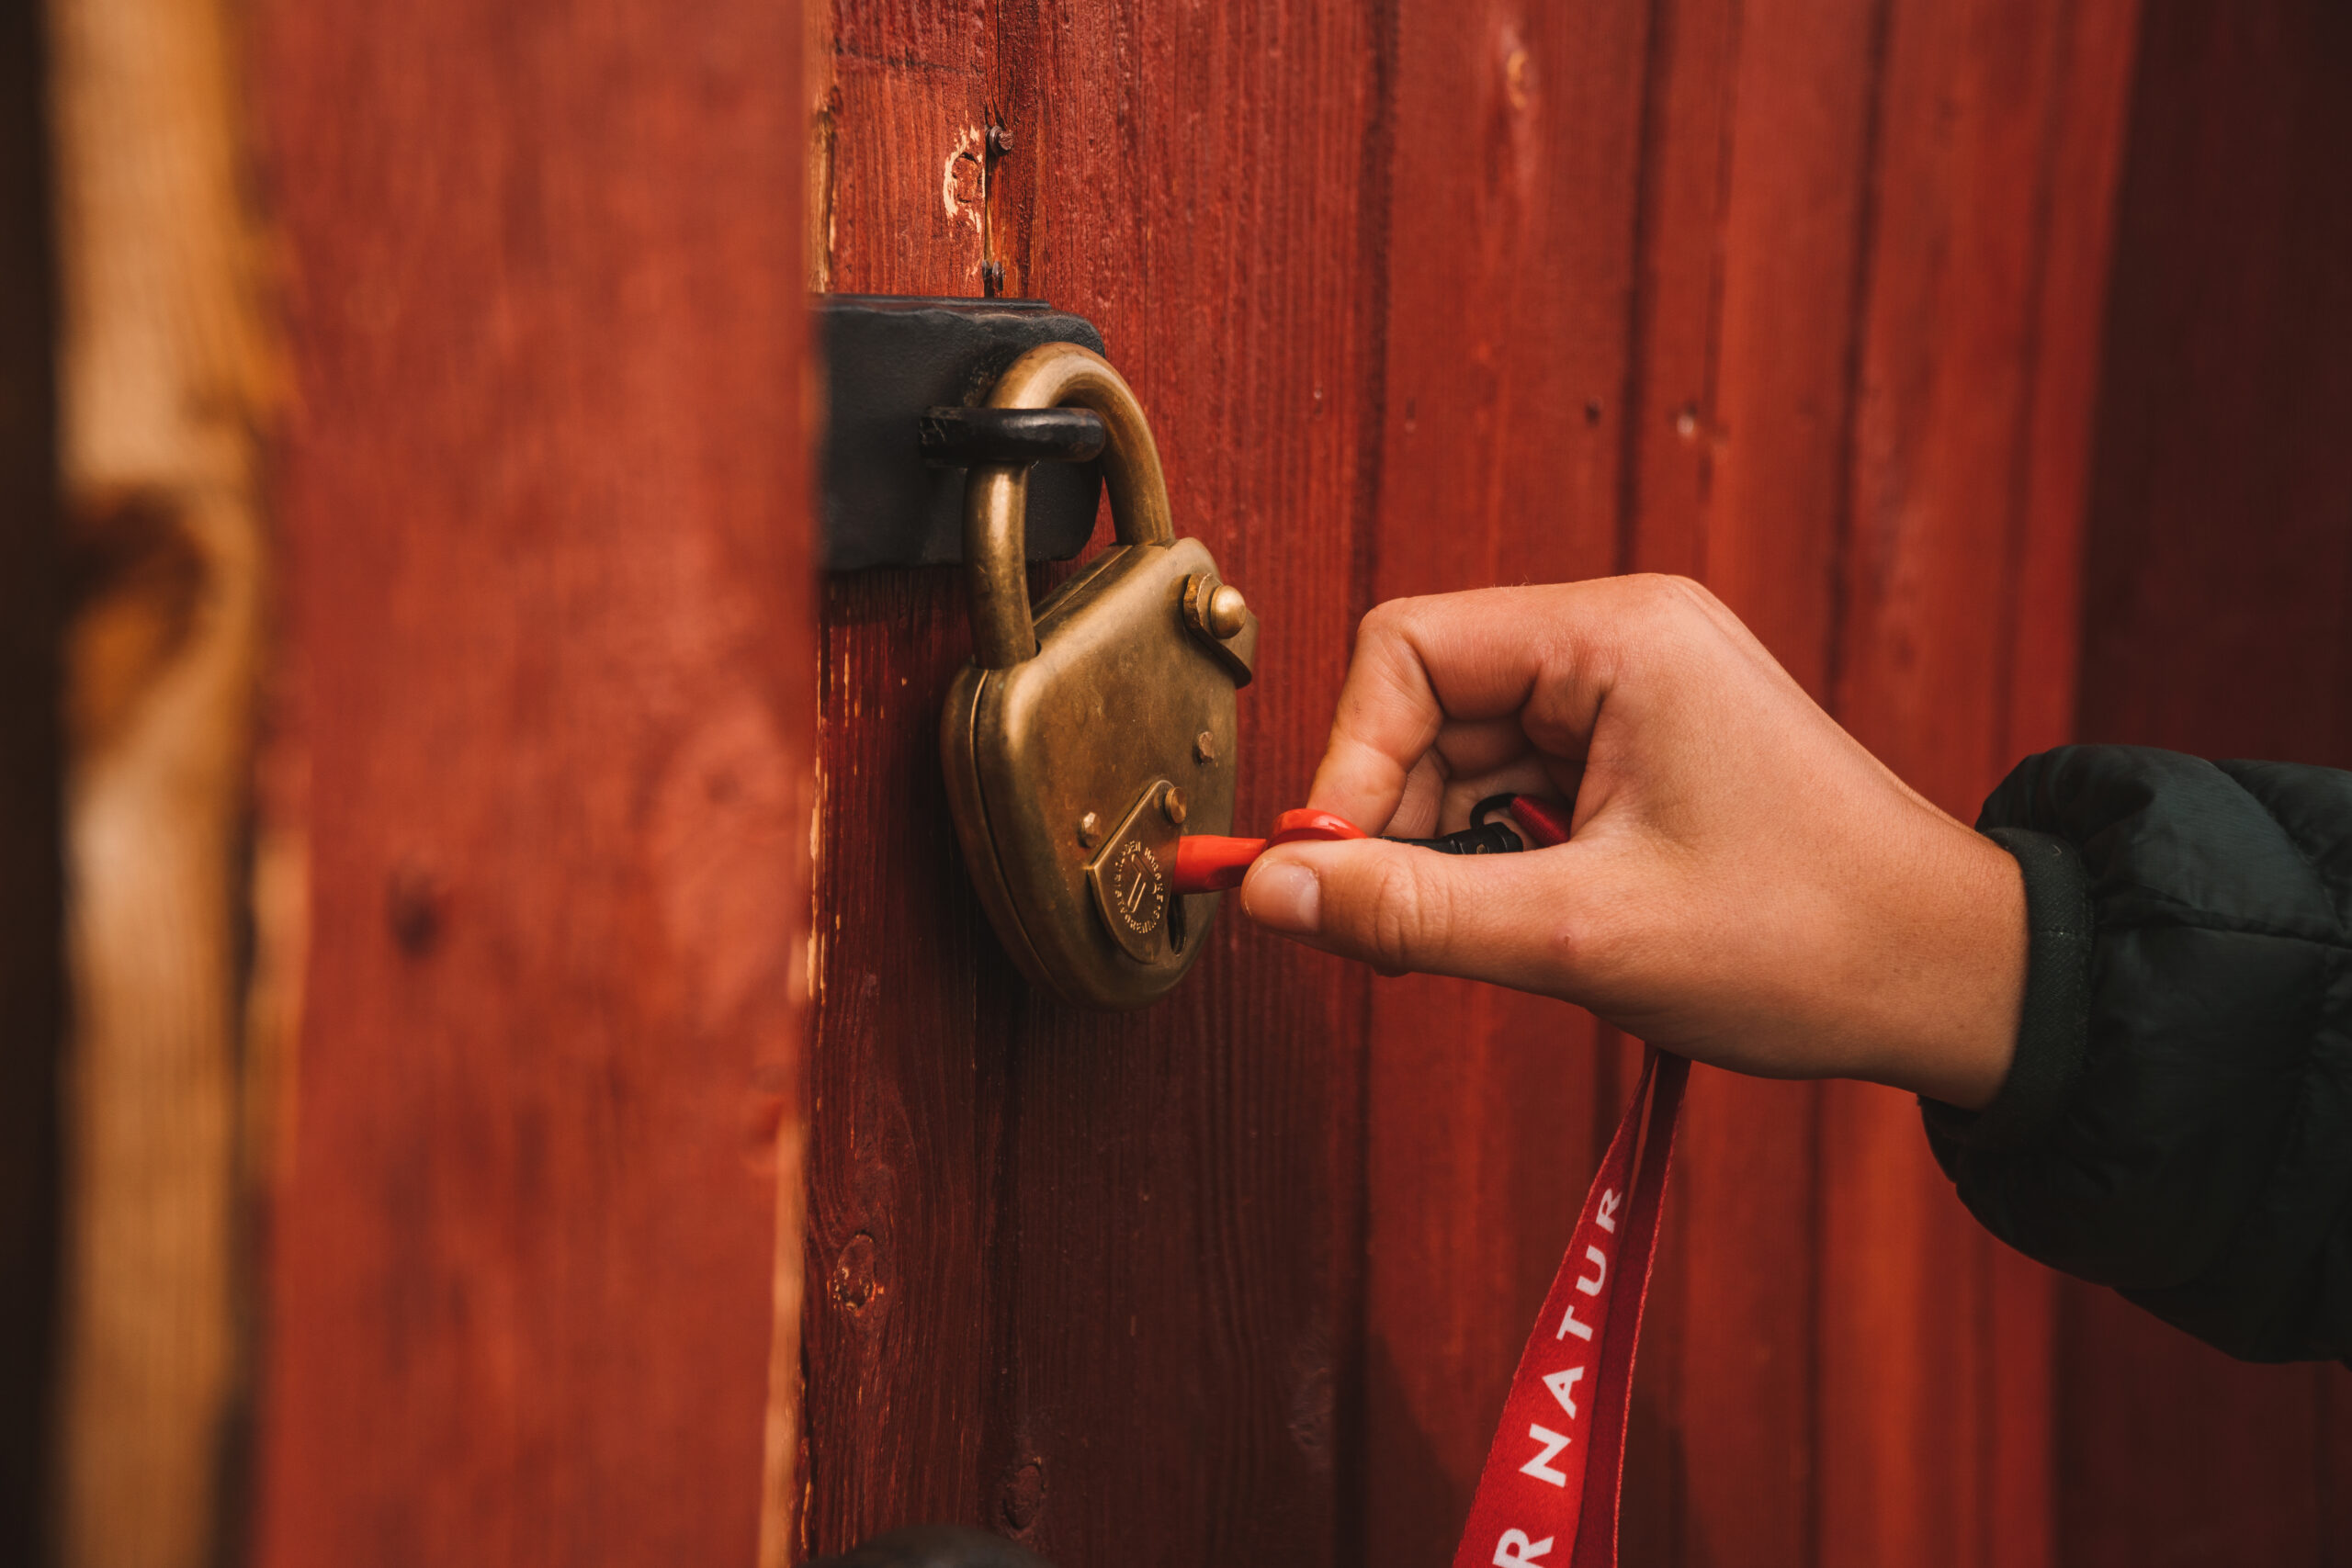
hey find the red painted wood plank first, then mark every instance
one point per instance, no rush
(1185, 1273)
(904, 184)
(2077, 222)
(1510, 224)
(2217, 583)
(2075, 225)
(908, 1080)
(2333, 1471)
(1506, 318)
(910, 1036)
(1757, 175)
(2169, 1453)
(1929, 1353)
(1097, 1274)
(2215, 608)
(543, 495)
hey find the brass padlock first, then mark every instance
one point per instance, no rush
(1082, 741)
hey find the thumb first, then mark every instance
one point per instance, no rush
(1525, 920)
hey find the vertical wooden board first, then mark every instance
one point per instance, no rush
(910, 1035)
(1087, 1276)
(2216, 586)
(1746, 494)
(1183, 1185)
(1903, 1300)
(911, 1032)
(1923, 1386)
(1510, 270)
(2220, 567)
(2055, 422)
(1906, 1290)
(162, 380)
(1754, 177)
(1902, 1287)
(544, 495)
(1730, 1478)
(2225, 1431)
(1967, 97)
(1509, 220)
(1479, 1142)
(2335, 1467)
(2079, 224)
(903, 198)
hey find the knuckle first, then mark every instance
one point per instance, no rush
(1695, 598)
(1669, 598)
(1662, 614)
(1384, 621)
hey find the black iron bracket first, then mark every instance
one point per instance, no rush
(905, 377)
(957, 438)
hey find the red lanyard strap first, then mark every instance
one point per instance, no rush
(1563, 1433)
(1562, 1441)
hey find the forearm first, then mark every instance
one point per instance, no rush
(2178, 1121)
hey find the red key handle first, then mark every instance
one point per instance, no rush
(1208, 864)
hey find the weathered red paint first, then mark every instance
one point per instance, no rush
(1800, 300)
(542, 493)
(2216, 608)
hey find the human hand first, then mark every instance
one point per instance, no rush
(1745, 885)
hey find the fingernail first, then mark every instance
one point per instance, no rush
(1284, 897)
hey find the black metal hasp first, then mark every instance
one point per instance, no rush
(934, 1546)
(886, 497)
(959, 437)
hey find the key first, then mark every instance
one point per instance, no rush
(1209, 863)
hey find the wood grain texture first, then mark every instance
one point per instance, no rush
(1798, 299)
(1220, 1136)
(544, 496)
(2046, 530)
(32, 765)
(2217, 599)
(1089, 1279)
(1510, 263)
(2215, 611)
(1940, 368)
(1755, 175)
(164, 377)
(907, 1053)
(2335, 1457)
(1751, 295)
(1923, 1337)
(2171, 1454)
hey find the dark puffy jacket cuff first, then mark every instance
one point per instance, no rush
(2054, 1021)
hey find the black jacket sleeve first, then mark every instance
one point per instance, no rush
(2178, 1121)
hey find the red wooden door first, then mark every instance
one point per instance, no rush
(1799, 300)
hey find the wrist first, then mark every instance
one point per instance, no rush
(1958, 992)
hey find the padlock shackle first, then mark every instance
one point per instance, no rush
(995, 495)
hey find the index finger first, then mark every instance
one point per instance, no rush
(1465, 659)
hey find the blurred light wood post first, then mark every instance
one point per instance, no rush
(162, 380)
